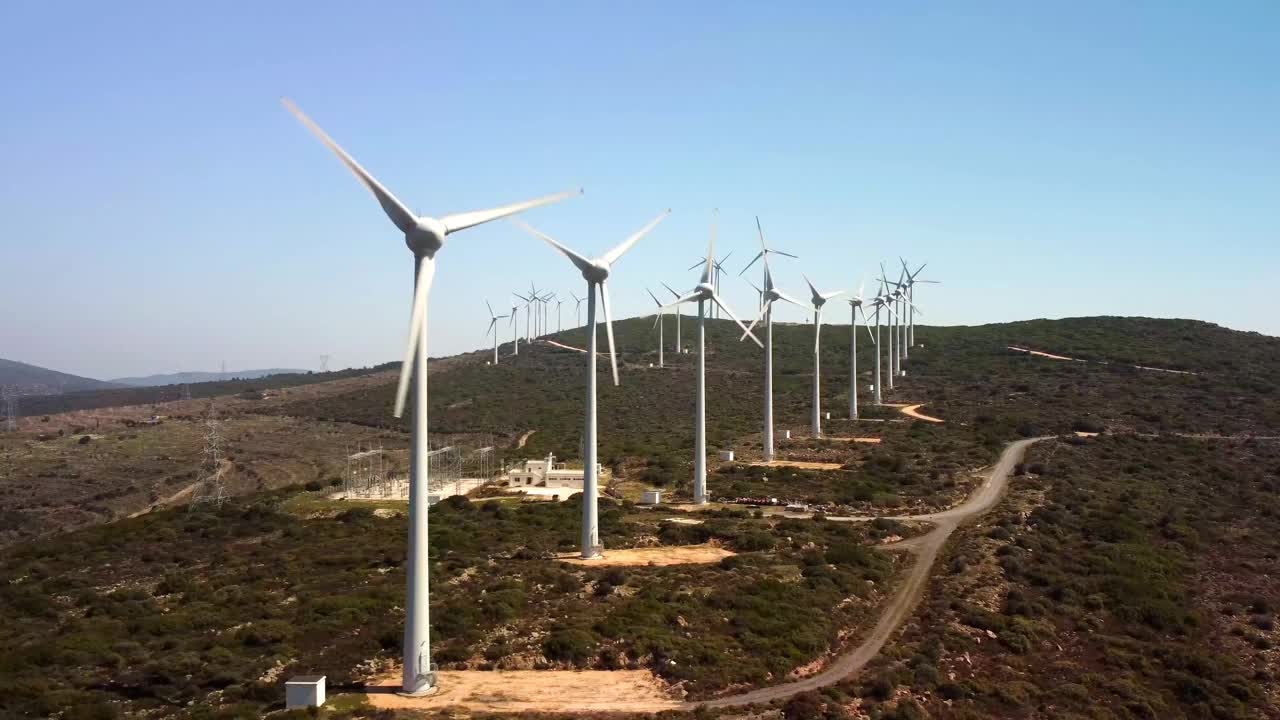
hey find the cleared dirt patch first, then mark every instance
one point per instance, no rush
(533, 690)
(868, 440)
(799, 464)
(657, 556)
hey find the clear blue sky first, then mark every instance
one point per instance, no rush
(160, 211)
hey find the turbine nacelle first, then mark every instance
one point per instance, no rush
(426, 236)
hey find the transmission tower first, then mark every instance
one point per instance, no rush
(9, 397)
(186, 391)
(209, 489)
(324, 363)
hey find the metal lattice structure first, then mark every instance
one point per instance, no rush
(9, 397)
(373, 473)
(209, 488)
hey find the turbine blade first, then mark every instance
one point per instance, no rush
(582, 263)
(417, 323)
(828, 296)
(486, 304)
(865, 325)
(709, 268)
(716, 299)
(697, 264)
(817, 328)
(788, 298)
(461, 221)
(763, 309)
(608, 330)
(753, 262)
(612, 256)
(680, 300)
(668, 287)
(816, 295)
(784, 254)
(403, 218)
(656, 301)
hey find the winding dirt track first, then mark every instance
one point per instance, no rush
(914, 411)
(926, 548)
(502, 692)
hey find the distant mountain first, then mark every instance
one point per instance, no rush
(33, 380)
(200, 377)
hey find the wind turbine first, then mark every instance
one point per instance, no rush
(911, 298)
(704, 292)
(855, 306)
(768, 295)
(515, 328)
(679, 347)
(596, 272)
(657, 322)
(577, 309)
(890, 300)
(818, 299)
(493, 328)
(425, 236)
(877, 302)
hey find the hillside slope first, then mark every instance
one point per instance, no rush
(202, 377)
(35, 380)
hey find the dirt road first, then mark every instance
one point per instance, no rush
(914, 411)
(594, 691)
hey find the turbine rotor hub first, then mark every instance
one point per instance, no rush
(426, 237)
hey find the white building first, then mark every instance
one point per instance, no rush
(547, 473)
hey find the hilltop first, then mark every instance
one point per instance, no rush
(34, 380)
(180, 378)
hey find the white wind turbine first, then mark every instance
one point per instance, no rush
(559, 322)
(515, 328)
(657, 322)
(911, 298)
(818, 299)
(703, 293)
(493, 328)
(877, 302)
(679, 347)
(768, 295)
(716, 278)
(577, 309)
(424, 236)
(855, 306)
(596, 273)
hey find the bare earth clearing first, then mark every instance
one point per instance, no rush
(659, 556)
(799, 464)
(639, 691)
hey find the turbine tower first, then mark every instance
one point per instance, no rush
(704, 292)
(577, 309)
(818, 299)
(679, 347)
(515, 327)
(596, 272)
(855, 306)
(911, 298)
(493, 328)
(657, 323)
(424, 236)
(877, 302)
(768, 295)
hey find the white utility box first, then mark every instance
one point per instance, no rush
(726, 456)
(651, 497)
(304, 691)
(786, 434)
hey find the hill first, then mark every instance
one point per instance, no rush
(34, 380)
(180, 378)
(1126, 575)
